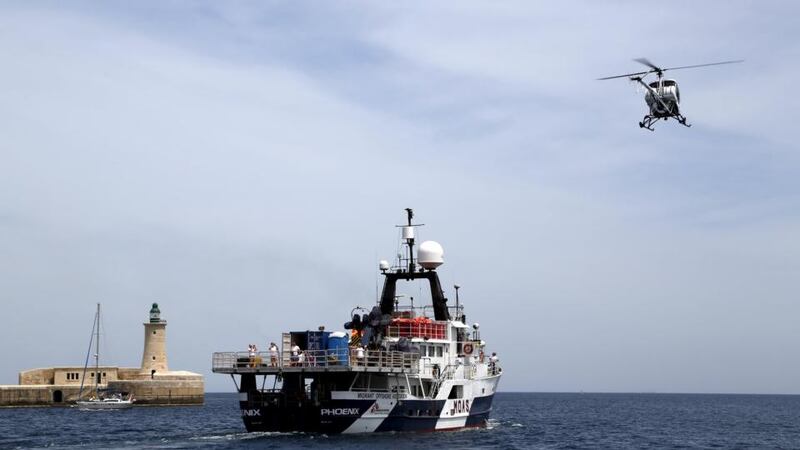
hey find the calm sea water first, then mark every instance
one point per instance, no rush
(518, 421)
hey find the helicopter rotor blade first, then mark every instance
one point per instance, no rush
(704, 65)
(649, 64)
(636, 74)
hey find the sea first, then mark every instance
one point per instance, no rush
(518, 421)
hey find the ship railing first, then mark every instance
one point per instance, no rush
(342, 357)
(448, 373)
(438, 370)
(411, 328)
(316, 358)
(384, 359)
(393, 390)
(242, 360)
(494, 368)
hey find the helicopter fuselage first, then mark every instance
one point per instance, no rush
(669, 95)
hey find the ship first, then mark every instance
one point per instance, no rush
(395, 368)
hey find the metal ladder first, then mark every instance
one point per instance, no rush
(447, 374)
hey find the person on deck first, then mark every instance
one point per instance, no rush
(251, 352)
(493, 360)
(273, 354)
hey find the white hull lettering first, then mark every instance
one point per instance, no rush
(339, 412)
(459, 407)
(377, 395)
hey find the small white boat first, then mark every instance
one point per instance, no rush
(105, 403)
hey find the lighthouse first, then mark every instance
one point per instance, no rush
(154, 356)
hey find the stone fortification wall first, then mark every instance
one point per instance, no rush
(38, 395)
(189, 391)
(37, 376)
(180, 390)
(128, 373)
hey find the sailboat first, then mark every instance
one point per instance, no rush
(99, 400)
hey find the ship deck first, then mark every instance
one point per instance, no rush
(316, 361)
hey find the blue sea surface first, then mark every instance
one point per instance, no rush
(519, 420)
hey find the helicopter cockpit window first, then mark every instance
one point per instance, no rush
(669, 82)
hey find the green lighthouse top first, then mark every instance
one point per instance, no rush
(155, 314)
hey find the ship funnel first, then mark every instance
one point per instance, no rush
(430, 255)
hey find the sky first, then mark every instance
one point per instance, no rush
(243, 164)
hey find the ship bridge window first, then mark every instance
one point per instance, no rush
(456, 392)
(439, 351)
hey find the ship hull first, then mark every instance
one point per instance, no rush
(362, 411)
(366, 416)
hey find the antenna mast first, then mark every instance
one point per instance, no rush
(408, 233)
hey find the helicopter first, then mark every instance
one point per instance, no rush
(662, 95)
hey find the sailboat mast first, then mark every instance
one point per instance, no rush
(97, 353)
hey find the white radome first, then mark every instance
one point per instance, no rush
(430, 255)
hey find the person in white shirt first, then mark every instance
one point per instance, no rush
(251, 352)
(273, 355)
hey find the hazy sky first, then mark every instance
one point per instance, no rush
(243, 164)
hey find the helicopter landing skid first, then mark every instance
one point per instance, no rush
(648, 121)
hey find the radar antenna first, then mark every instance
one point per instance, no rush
(408, 237)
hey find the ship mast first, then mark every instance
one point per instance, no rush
(409, 271)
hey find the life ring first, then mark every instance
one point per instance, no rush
(467, 349)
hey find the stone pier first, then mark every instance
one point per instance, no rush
(151, 384)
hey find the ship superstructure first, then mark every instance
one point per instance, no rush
(396, 368)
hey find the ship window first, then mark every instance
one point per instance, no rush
(439, 350)
(104, 374)
(154, 331)
(456, 392)
(92, 375)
